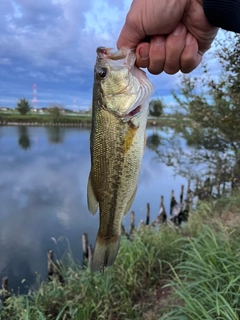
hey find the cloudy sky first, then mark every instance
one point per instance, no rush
(52, 43)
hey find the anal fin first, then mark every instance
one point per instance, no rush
(130, 202)
(91, 198)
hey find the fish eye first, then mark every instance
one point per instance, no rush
(102, 73)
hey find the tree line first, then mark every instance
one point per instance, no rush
(156, 107)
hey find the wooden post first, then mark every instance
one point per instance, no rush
(162, 211)
(5, 289)
(181, 194)
(90, 255)
(50, 263)
(54, 269)
(123, 231)
(132, 223)
(148, 214)
(173, 202)
(85, 246)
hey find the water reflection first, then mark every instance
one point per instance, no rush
(154, 141)
(55, 134)
(43, 196)
(23, 141)
(212, 169)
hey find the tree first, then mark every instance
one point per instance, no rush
(23, 106)
(55, 112)
(155, 108)
(213, 104)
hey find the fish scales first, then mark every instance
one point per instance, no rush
(117, 146)
(109, 168)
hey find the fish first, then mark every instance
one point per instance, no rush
(120, 104)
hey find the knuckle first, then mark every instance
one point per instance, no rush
(171, 68)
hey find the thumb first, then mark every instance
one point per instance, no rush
(130, 35)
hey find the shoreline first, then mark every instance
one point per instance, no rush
(86, 123)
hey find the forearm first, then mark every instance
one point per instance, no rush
(223, 13)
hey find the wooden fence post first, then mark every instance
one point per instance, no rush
(123, 231)
(90, 255)
(5, 289)
(148, 214)
(181, 193)
(173, 202)
(85, 246)
(50, 264)
(162, 215)
(132, 222)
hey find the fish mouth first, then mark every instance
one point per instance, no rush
(123, 56)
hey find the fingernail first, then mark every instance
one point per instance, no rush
(143, 52)
(178, 30)
(158, 40)
(189, 39)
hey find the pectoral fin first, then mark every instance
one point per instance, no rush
(130, 202)
(91, 198)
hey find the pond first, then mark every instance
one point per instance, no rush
(44, 174)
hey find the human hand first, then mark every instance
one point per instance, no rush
(178, 31)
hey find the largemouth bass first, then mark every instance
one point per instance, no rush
(119, 116)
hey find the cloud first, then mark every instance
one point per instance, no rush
(53, 43)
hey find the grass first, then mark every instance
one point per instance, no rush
(208, 279)
(76, 119)
(170, 273)
(44, 118)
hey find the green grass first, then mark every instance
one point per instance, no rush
(113, 295)
(208, 279)
(44, 118)
(76, 119)
(170, 273)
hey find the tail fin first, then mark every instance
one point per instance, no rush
(104, 254)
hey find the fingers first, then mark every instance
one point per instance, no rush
(152, 55)
(157, 54)
(191, 56)
(142, 55)
(178, 51)
(174, 47)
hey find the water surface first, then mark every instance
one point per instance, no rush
(43, 180)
